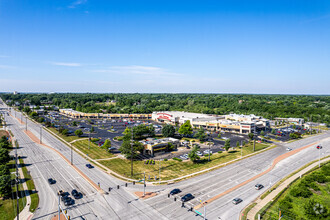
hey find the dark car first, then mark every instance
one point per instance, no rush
(51, 181)
(237, 200)
(65, 197)
(319, 147)
(187, 197)
(75, 194)
(175, 191)
(258, 186)
(68, 202)
(89, 165)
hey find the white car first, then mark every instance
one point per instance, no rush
(289, 149)
(199, 153)
(207, 151)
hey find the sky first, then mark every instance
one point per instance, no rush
(165, 46)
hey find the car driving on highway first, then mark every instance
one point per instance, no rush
(258, 186)
(175, 191)
(51, 181)
(237, 200)
(187, 197)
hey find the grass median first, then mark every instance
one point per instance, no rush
(93, 150)
(172, 169)
(67, 138)
(31, 187)
(8, 205)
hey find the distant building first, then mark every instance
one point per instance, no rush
(15, 92)
(297, 121)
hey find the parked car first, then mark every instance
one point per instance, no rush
(187, 197)
(289, 149)
(89, 166)
(207, 151)
(175, 191)
(199, 153)
(237, 200)
(51, 181)
(258, 186)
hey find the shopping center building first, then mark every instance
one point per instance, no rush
(76, 114)
(230, 123)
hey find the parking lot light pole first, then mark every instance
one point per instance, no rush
(144, 183)
(320, 156)
(71, 155)
(132, 154)
(89, 140)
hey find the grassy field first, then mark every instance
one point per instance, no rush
(8, 206)
(31, 187)
(67, 138)
(94, 151)
(172, 169)
(312, 192)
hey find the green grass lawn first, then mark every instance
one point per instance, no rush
(8, 206)
(31, 187)
(297, 207)
(172, 169)
(94, 151)
(67, 138)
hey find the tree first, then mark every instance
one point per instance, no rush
(107, 144)
(78, 132)
(74, 123)
(26, 109)
(200, 135)
(92, 129)
(4, 156)
(219, 135)
(142, 131)
(5, 185)
(126, 148)
(168, 130)
(193, 155)
(34, 114)
(251, 135)
(237, 144)
(273, 131)
(186, 128)
(244, 143)
(4, 170)
(262, 133)
(227, 144)
(65, 132)
(294, 126)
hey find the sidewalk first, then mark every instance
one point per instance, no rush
(25, 213)
(261, 203)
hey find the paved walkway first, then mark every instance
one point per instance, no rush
(261, 203)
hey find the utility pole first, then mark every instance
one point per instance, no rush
(17, 181)
(311, 124)
(144, 183)
(132, 154)
(320, 156)
(241, 149)
(209, 150)
(254, 143)
(40, 135)
(59, 207)
(89, 140)
(159, 170)
(71, 155)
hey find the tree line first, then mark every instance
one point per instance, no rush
(316, 107)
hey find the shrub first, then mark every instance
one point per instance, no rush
(95, 139)
(219, 152)
(285, 203)
(301, 191)
(314, 186)
(165, 159)
(178, 159)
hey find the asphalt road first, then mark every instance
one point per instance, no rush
(213, 183)
(45, 163)
(122, 204)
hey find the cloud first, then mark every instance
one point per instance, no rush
(77, 3)
(66, 64)
(7, 67)
(137, 70)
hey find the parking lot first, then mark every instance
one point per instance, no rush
(103, 128)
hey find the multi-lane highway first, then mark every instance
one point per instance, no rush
(123, 204)
(46, 163)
